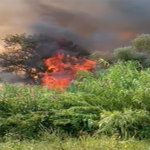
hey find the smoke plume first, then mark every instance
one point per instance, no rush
(97, 24)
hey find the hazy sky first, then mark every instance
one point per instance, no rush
(96, 24)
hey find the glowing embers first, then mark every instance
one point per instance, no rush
(61, 69)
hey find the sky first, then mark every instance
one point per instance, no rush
(94, 24)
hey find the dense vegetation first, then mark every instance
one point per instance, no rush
(113, 100)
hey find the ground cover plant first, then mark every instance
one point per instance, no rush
(53, 142)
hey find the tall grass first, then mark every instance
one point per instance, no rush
(53, 142)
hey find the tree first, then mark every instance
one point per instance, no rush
(138, 51)
(26, 53)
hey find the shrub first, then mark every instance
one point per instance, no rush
(125, 124)
(107, 56)
(129, 53)
(142, 42)
(126, 53)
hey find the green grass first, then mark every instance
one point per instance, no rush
(108, 109)
(89, 143)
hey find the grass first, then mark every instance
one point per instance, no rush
(89, 143)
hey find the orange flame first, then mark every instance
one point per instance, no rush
(61, 69)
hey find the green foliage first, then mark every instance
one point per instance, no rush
(113, 102)
(55, 142)
(142, 42)
(126, 53)
(125, 124)
(107, 56)
(139, 51)
(129, 53)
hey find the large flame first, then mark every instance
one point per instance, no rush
(61, 69)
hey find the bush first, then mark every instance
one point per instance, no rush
(142, 42)
(126, 53)
(129, 53)
(125, 124)
(139, 51)
(95, 56)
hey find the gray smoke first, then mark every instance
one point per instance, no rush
(94, 24)
(100, 24)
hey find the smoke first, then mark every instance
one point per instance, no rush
(93, 24)
(13, 78)
(15, 17)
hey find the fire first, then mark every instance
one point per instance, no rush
(61, 69)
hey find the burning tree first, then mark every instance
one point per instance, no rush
(20, 56)
(39, 58)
